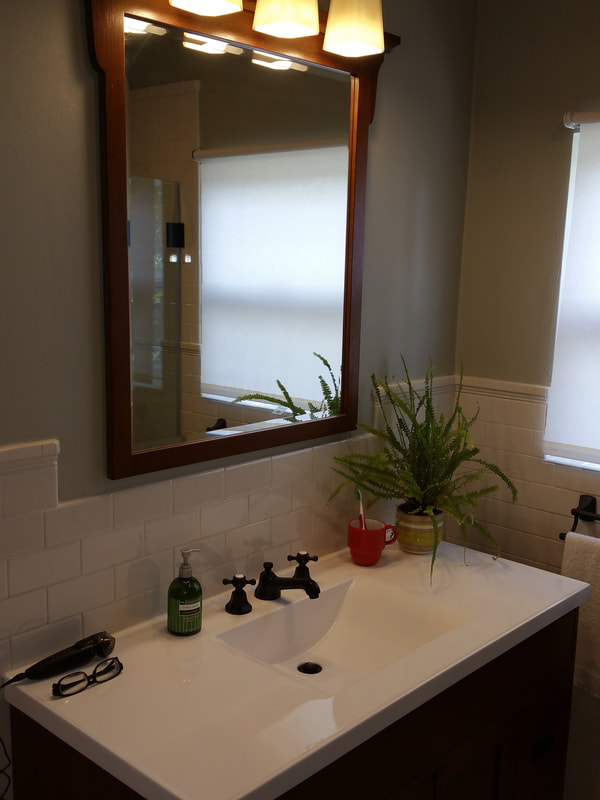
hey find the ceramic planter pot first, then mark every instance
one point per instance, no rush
(415, 533)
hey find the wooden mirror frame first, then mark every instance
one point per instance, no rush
(108, 52)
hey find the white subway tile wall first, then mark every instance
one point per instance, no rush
(69, 569)
(509, 431)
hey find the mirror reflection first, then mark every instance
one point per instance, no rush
(237, 215)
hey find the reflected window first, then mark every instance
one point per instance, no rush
(273, 240)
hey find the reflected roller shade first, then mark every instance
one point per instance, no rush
(273, 268)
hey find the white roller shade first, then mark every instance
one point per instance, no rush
(573, 421)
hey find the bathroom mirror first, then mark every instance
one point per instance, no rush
(233, 200)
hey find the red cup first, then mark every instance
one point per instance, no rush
(366, 544)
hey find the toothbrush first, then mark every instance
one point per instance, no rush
(361, 513)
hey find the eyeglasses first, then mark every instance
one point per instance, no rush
(76, 682)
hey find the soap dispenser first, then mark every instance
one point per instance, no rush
(184, 613)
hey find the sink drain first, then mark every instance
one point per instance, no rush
(310, 668)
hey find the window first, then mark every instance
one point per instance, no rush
(273, 247)
(573, 420)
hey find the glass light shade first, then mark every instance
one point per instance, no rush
(277, 65)
(287, 19)
(276, 62)
(204, 44)
(209, 8)
(207, 48)
(131, 25)
(354, 28)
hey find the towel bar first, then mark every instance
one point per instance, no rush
(586, 510)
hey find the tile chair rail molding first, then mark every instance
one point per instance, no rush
(104, 562)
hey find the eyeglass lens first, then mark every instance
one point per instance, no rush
(78, 681)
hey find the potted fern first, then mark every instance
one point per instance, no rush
(427, 463)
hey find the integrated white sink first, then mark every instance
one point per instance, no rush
(350, 630)
(387, 640)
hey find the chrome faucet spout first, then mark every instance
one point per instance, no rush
(270, 585)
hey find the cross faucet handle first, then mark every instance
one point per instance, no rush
(302, 557)
(239, 581)
(238, 604)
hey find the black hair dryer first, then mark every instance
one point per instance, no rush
(99, 644)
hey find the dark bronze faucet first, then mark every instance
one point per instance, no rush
(270, 585)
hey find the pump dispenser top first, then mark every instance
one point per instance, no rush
(184, 613)
(185, 568)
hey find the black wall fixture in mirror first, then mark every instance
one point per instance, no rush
(233, 168)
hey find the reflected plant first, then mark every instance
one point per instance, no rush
(331, 403)
(329, 406)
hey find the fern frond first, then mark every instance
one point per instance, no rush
(287, 402)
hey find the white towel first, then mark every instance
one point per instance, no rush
(581, 560)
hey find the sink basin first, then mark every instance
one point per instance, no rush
(351, 629)
(292, 628)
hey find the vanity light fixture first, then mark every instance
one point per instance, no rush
(209, 8)
(354, 28)
(287, 19)
(276, 62)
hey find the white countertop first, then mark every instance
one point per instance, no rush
(191, 717)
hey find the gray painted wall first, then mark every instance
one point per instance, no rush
(51, 302)
(534, 62)
(418, 155)
(51, 360)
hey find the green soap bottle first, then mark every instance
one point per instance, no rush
(184, 611)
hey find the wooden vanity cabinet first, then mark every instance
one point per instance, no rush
(498, 734)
